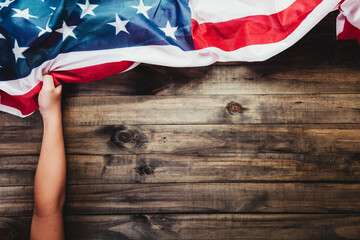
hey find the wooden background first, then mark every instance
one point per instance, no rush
(265, 150)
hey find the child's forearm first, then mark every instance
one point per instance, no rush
(50, 177)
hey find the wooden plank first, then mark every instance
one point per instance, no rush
(191, 139)
(14, 228)
(257, 78)
(219, 227)
(194, 198)
(158, 168)
(7, 119)
(200, 226)
(20, 140)
(213, 139)
(17, 170)
(216, 109)
(262, 79)
(216, 227)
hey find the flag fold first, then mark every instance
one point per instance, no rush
(87, 40)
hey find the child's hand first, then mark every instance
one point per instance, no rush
(50, 98)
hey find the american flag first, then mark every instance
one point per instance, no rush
(86, 40)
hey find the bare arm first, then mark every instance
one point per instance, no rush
(50, 177)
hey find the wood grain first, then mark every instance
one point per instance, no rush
(159, 168)
(199, 226)
(258, 78)
(14, 228)
(191, 139)
(206, 227)
(216, 109)
(194, 198)
(10, 120)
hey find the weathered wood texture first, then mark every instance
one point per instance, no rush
(160, 168)
(260, 78)
(194, 198)
(214, 109)
(191, 139)
(202, 227)
(265, 150)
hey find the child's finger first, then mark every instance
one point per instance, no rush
(48, 82)
(58, 88)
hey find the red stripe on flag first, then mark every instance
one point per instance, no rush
(259, 29)
(92, 73)
(28, 103)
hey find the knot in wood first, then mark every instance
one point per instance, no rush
(144, 170)
(124, 137)
(129, 139)
(235, 107)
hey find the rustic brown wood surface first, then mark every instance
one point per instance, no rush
(191, 139)
(194, 198)
(162, 168)
(203, 226)
(266, 150)
(256, 78)
(211, 109)
(218, 109)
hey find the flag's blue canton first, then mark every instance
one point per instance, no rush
(32, 32)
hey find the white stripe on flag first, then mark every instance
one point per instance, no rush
(225, 10)
(12, 111)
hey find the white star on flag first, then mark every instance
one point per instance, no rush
(18, 51)
(119, 25)
(47, 29)
(66, 31)
(43, 31)
(23, 14)
(6, 3)
(2, 36)
(142, 9)
(87, 8)
(169, 31)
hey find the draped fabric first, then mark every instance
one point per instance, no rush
(86, 40)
